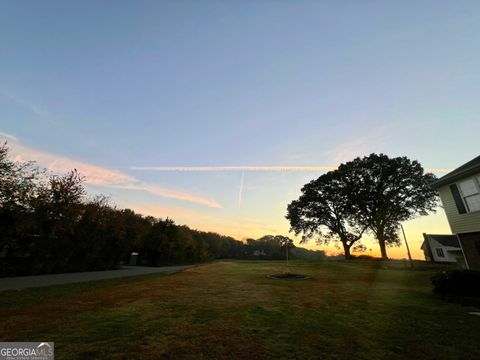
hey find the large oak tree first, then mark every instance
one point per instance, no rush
(324, 211)
(386, 191)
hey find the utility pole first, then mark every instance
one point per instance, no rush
(408, 248)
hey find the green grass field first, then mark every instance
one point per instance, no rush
(347, 310)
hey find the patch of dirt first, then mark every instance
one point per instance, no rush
(288, 276)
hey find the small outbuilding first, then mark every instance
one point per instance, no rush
(443, 248)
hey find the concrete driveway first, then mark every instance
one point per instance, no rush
(24, 282)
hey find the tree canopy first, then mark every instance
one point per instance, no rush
(324, 211)
(386, 191)
(374, 193)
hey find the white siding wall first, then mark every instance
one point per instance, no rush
(459, 223)
(447, 251)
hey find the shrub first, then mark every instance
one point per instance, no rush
(457, 285)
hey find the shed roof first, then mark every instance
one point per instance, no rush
(445, 240)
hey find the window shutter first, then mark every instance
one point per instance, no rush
(458, 199)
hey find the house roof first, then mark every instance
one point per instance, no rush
(445, 240)
(466, 169)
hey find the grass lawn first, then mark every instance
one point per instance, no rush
(347, 310)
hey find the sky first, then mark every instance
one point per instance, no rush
(135, 93)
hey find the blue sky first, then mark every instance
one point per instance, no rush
(120, 84)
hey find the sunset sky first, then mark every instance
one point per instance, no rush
(259, 97)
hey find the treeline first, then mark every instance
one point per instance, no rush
(49, 225)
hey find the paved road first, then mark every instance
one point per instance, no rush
(24, 282)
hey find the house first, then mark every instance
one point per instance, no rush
(443, 248)
(259, 253)
(460, 194)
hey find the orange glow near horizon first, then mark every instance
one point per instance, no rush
(435, 223)
(432, 224)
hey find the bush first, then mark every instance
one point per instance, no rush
(458, 285)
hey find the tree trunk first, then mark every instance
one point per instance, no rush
(383, 247)
(346, 251)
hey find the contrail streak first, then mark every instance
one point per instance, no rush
(240, 191)
(233, 168)
(240, 198)
(253, 168)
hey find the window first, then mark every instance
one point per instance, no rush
(440, 252)
(470, 190)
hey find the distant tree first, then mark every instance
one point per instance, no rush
(184, 247)
(58, 209)
(19, 182)
(324, 212)
(386, 191)
(269, 247)
(100, 237)
(306, 254)
(286, 243)
(19, 186)
(158, 246)
(136, 228)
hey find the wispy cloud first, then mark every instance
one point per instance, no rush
(98, 175)
(94, 175)
(351, 149)
(285, 168)
(34, 108)
(8, 136)
(169, 193)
